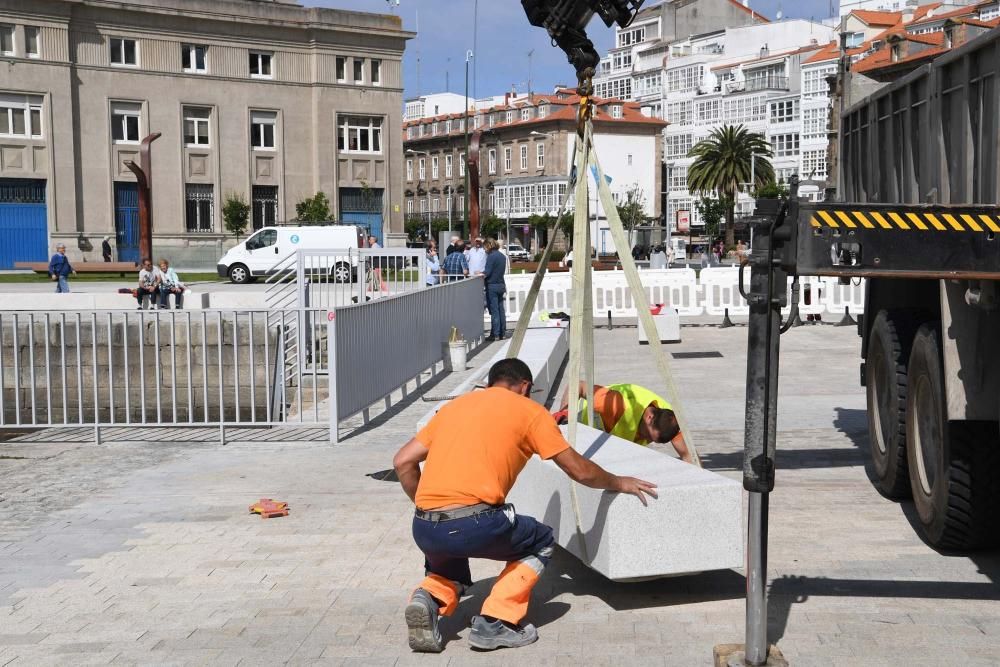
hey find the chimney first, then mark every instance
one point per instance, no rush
(764, 51)
(506, 99)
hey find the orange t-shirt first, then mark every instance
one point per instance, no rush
(609, 406)
(479, 443)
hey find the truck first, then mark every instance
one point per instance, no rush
(930, 372)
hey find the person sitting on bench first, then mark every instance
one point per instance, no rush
(170, 283)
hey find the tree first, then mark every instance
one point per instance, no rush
(490, 226)
(712, 211)
(236, 214)
(313, 209)
(632, 210)
(723, 164)
(771, 190)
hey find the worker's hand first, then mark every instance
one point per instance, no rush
(636, 487)
(53, 276)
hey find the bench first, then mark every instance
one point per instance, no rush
(83, 267)
(544, 350)
(696, 524)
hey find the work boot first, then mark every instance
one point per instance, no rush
(491, 635)
(422, 623)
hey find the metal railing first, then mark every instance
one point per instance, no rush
(368, 356)
(154, 368)
(758, 83)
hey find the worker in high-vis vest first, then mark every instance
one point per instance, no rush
(633, 413)
(473, 449)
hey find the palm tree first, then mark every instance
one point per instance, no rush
(722, 165)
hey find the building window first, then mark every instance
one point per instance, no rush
(423, 205)
(447, 166)
(6, 40)
(526, 114)
(677, 146)
(435, 204)
(684, 79)
(814, 123)
(262, 125)
(709, 111)
(630, 37)
(409, 170)
(31, 39)
(616, 111)
(540, 156)
(409, 206)
(198, 205)
(461, 165)
(989, 13)
(784, 111)
(265, 205)
(434, 129)
(341, 68)
(360, 134)
(621, 60)
(20, 116)
(510, 116)
(679, 113)
(260, 65)
(814, 81)
(125, 123)
(492, 166)
(507, 159)
(524, 158)
(543, 110)
(447, 127)
(193, 58)
(376, 72)
(855, 39)
(123, 52)
(814, 164)
(422, 168)
(435, 171)
(359, 70)
(196, 126)
(409, 132)
(785, 145)
(678, 179)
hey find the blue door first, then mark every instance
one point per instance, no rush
(23, 225)
(127, 221)
(362, 207)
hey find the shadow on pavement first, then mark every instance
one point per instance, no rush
(788, 590)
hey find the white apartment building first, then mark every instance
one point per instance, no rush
(755, 75)
(436, 104)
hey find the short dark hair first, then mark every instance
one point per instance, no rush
(509, 371)
(666, 424)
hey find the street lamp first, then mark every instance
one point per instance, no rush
(430, 233)
(465, 168)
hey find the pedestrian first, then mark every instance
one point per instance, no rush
(376, 262)
(455, 245)
(461, 510)
(148, 285)
(60, 268)
(477, 257)
(433, 265)
(455, 266)
(496, 288)
(106, 248)
(169, 283)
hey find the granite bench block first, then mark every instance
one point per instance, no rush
(544, 350)
(695, 525)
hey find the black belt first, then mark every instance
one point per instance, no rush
(457, 513)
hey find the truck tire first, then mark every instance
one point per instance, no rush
(885, 387)
(954, 465)
(239, 274)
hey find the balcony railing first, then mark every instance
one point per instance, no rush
(758, 83)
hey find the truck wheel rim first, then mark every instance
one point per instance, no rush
(880, 404)
(926, 435)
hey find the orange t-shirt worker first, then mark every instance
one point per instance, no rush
(473, 450)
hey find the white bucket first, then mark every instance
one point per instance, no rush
(457, 356)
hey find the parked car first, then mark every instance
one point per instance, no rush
(260, 253)
(517, 253)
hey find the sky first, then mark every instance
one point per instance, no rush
(435, 59)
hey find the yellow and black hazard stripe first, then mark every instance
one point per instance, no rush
(907, 220)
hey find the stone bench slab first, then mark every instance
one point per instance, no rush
(544, 350)
(695, 525)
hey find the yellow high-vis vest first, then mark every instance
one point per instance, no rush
(636, 399)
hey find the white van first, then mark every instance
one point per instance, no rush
(258, 255)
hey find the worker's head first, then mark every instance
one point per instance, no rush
(61, 248)
(512, 374)
(661, 424)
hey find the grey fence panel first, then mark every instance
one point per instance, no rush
(381, 344)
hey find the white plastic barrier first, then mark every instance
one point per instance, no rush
(840, 297)
(720, 291)
(677, 288)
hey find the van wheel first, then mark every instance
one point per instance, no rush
(239, 274)
(341, 272)
(954, 465)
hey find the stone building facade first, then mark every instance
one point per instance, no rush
(265, 99)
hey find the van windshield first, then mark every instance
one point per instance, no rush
(262, 239)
